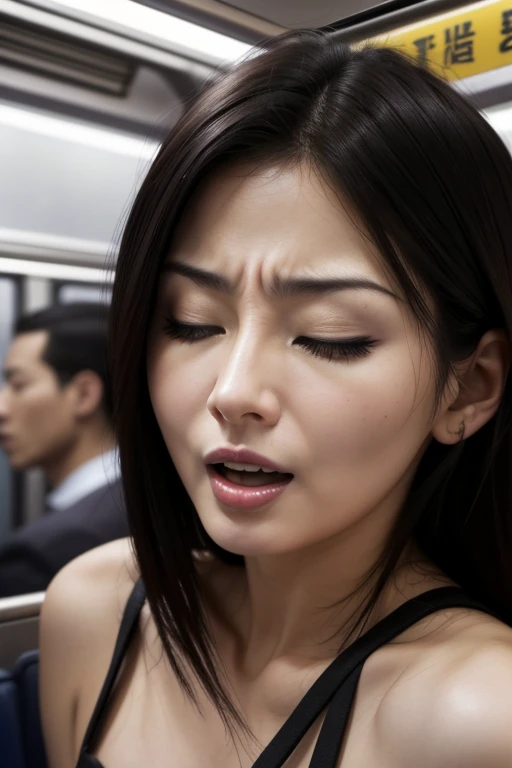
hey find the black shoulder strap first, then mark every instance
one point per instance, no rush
(345, 670)
(333, 729)
(126, 630)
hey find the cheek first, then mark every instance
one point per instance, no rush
(41, 413)
(179, 389)
(374, 412)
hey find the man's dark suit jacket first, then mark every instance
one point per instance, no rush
(32, 555)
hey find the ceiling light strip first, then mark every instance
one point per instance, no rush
(55, 271)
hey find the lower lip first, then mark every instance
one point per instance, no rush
(243, 496)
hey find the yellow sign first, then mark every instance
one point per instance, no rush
(461, 43)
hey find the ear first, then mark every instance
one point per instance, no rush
(474, 397)
(87, 388)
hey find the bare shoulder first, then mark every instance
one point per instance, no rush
(88, 588)
(79, 623)
(452, 704)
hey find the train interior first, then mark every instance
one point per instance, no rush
(88, 89)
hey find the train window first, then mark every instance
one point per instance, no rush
(66, 293)
(9, 309)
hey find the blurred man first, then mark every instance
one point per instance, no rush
(55, 413)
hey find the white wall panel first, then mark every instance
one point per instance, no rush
(65, 177)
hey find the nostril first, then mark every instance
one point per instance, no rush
(215, 412)
(247, 402)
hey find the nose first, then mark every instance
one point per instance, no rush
(244, 390)
(3, 403)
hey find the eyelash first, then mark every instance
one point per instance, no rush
(345, 349)
(190, 331)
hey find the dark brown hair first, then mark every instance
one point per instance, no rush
(432, 184)
(77, 341)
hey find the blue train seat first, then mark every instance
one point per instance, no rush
(26, 675)
(11, 741)
(21, 738)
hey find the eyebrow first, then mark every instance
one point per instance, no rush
(292, 287)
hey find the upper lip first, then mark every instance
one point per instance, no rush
(243, 456)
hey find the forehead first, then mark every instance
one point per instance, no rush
(26, 349)
(285, 217)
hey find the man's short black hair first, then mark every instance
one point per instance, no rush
(77, 340)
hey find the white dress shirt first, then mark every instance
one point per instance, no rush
(102, 470)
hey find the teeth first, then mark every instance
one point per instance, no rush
(245, 467)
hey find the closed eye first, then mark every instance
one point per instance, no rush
(17, 386)
(337, 349)
(190, 332)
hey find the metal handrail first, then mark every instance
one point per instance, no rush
(58, 249)
(20, 607)
(386, 21)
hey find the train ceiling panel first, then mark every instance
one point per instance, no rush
(303, 13)
(290, 14)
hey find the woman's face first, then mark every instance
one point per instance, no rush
(277, 331)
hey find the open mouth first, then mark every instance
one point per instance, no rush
(249, 476)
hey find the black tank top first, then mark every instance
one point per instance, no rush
(334, 690)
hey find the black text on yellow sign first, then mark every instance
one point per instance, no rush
(462, 43)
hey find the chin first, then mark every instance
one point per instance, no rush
(20, 463)
(245, 549)
(239, 540)
(17, 463)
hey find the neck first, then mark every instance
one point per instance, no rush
(301, 604)
(91, 443)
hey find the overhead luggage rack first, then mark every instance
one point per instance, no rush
(49, 53)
